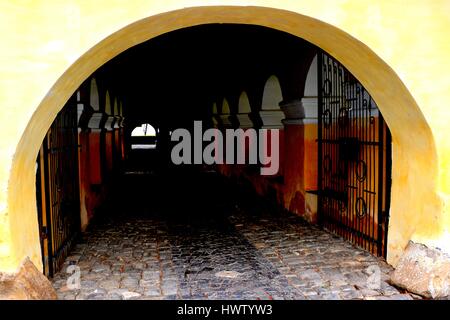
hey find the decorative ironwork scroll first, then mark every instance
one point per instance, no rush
(354, 159)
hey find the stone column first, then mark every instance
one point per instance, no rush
(244, 120)
(272, 119)
(225, 121)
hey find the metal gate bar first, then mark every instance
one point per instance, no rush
(58, 193)
(354, 159)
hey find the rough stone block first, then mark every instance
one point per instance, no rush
(27, 284)
(423, 270)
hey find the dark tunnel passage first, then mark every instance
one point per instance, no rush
(130, 223)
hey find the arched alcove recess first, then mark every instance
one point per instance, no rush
(94, 98)
(225, 113)
(244, 111)
(272, 95)
(144, 130)
(225, 107)
(215, 116)
(310, 121)
(244, 104)
(310, 89)
(271, 114)
(143, 137)
(116, 107)
(108, 103)
(415, 206)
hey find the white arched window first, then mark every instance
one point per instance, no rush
(225, 113)
(271, 114)
(272, 94)
(94, 98)
(144, 130)
(244, 111)
(143, 137)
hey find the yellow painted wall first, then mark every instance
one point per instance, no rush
(398, 49)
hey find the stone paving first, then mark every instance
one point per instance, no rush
(318, 264)
(236, 254)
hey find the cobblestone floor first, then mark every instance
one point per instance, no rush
(236, 254)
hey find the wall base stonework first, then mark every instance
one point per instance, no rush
(28, 283)
(424, 271)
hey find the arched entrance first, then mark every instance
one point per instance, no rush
(413, 173)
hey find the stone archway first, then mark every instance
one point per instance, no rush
(415, 166)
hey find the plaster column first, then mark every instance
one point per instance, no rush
(310, 145)
(272, 119)
(244, 120)
(215, 118)
(95, 149)
(117, 143)
(293, 189)
(109, 143)
(225, 115)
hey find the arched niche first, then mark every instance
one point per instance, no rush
(225, 113)
(108, 109)
(271, 114)
(94, 100)
(116, 107)
(244, 110)
(144, 130)
(109, 123)
(143, 137)
(215, 115)
(310, 97)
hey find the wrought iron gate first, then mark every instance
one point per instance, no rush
(354, 159)
(57, 189)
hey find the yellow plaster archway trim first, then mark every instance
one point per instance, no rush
(414, 162)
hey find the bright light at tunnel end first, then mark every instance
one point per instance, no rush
(230, 146)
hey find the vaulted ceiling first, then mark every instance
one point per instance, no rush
(177, 76)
